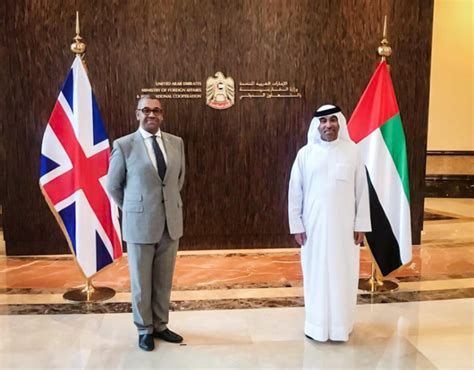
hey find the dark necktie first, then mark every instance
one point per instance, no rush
(160, 160)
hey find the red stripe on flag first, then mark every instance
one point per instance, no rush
(376, 106)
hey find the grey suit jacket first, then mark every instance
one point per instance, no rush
(147, 202)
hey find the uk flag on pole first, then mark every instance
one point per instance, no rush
(74, 162)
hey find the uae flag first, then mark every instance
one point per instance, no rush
(377, 128)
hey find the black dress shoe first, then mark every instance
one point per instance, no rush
(307, 336)
(146, 342)
(168, 336)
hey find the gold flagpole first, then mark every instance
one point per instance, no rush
(88, 293)
(384, 50)
(78, 47)
(376, 283)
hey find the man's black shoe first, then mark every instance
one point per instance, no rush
(146, 342)
(168, 336)
(307, 336)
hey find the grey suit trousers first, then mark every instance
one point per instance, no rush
(151, 299)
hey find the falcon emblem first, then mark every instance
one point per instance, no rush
(220, 91)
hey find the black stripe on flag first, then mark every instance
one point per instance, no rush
(382, 242)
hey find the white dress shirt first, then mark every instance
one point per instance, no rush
(147, 137)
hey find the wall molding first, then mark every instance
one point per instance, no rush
(450, 152)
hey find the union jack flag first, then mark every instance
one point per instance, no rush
(74, 162)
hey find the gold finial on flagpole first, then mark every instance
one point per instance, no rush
(78, 47)
(384, 50)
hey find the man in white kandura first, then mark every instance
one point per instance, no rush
(328, 209)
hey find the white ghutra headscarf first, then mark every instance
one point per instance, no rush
(314, 137)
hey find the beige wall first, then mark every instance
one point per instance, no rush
(451, 113)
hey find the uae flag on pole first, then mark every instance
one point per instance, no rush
(377, 128)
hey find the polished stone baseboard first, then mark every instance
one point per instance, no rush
(226, 304)
(449, 174)
(449, 186)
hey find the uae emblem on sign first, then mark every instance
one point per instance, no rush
(220, 91)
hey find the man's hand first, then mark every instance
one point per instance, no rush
(300, 238)
(358, 237)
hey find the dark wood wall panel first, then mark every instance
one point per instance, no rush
(238, 160)
(3, 105)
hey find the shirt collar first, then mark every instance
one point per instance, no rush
(145, 134)
(329, 144)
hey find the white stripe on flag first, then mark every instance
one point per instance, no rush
(85, 234)
(389, 189)
(82, 106)
(64, 203)
(66, 108)
(83, 111)
(52, 148)
(101, 231)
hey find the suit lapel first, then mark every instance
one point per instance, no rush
(167, 143)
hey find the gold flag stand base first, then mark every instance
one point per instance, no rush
(89, 293)
(376, 285)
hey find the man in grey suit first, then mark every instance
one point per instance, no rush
(145, 177)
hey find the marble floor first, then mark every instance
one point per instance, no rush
(244, 309)
(413, 335)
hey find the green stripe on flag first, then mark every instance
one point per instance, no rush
(394, 137)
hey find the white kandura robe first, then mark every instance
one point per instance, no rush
(328, 199)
